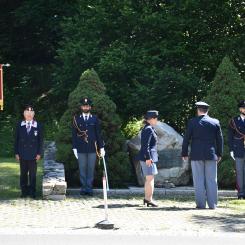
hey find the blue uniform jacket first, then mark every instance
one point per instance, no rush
(206, 139)
(28, 146)
(148, 148)
(85, 143)
(236, 136)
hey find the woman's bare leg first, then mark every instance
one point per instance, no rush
(149, 187)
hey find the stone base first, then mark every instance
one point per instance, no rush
(105, 225)
(54, 197)
(54, 185)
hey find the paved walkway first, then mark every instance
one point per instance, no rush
(77, 215)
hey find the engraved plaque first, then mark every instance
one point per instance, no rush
(169, 158)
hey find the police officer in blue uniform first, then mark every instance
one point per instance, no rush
(148, 156)
(87, 143)
(28, 149)
(236, 142)
(205, 135)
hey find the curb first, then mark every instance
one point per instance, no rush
(178, 191)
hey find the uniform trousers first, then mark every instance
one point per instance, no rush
(205, 183)
(86, 167)
(28, 172)
(240, 176)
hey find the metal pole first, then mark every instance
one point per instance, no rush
(1, 87)
(105, 198)
(106, 176)
(105, 224)
(1, 84)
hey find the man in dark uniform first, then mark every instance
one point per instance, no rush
(206, 139)
(87, 142)
(236, 142)
(28, 148)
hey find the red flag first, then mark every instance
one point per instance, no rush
(1, 87)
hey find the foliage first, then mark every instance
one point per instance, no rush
(151, 54)
(7, 136)
(132, 128)
(29, 35)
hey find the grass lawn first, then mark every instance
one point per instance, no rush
(9, 178)
(237, 205)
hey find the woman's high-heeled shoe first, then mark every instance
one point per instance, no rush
(151, 204)
(145, 201)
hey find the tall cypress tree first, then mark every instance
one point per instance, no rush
(119, 169)
(226, 90)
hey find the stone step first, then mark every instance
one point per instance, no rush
(177, 191)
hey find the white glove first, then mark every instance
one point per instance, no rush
(102, 152)
(75, 153)
(232, 155)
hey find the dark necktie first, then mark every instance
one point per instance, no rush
(86, 118)
(28, 127)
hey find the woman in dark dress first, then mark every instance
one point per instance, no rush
(148, 155)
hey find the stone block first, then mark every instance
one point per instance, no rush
(54, 185)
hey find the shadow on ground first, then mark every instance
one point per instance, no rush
(118, 206)
(227, 222)
(173, 208)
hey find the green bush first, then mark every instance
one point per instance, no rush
(132, 128)
(7, 127)
(227, 173)
(119, 169)
(223, 96)
(50, 129)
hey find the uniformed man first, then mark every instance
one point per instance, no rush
(206, 139)
(87, 142)
(236, 142)
(28, 148)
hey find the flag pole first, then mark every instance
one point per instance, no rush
(1, 84)
(1, 87)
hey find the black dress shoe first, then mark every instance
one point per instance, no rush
(145, 201)
(90, 194)
(23, 196)
(33, 196)
(198, 207)
(240, 197)
(82, 193)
